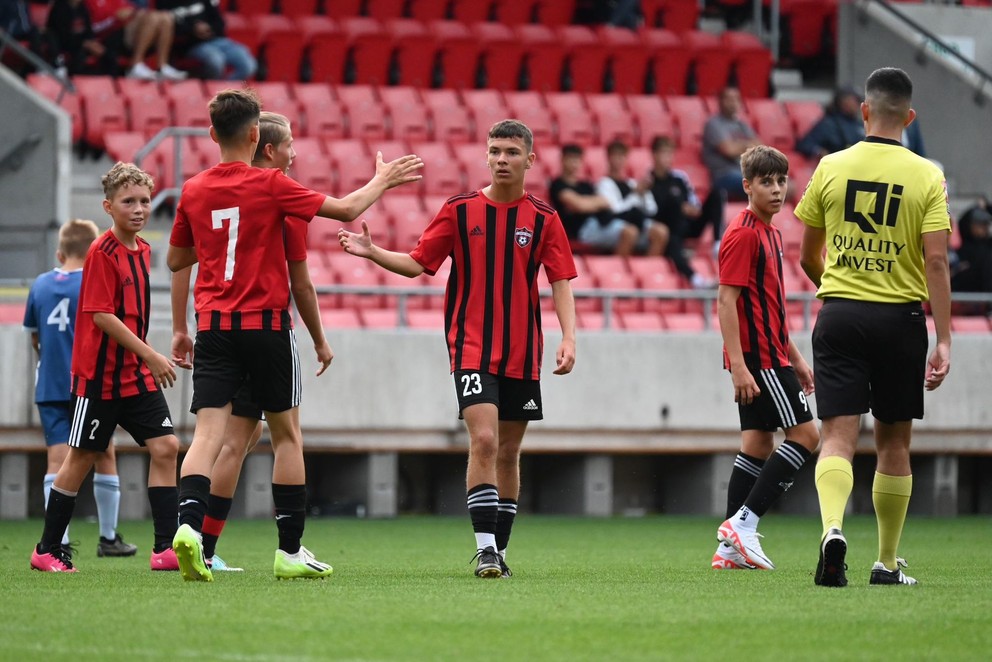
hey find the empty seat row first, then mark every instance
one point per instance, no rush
(548, 12)
(103, 104)
(452, 54)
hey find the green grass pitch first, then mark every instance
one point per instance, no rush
(583, 589)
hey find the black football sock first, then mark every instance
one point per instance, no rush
(164, 502)
(291, 505)
(776, 477)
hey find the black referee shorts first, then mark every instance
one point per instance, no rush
(267, 361)
(870, 356)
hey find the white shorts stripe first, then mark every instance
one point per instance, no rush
(78, 416)
(781, 401)
(297, 377)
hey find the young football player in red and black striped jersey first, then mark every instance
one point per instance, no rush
(116, 376)
(497, 238)
(770, 377)
(230, 220)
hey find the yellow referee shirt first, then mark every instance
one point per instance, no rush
(875, 200)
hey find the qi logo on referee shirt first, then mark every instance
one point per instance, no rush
(879, 215)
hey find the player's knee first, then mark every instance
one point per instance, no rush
(163, 449)
(806, 435)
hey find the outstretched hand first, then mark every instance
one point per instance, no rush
(401, 171)
(355, 243)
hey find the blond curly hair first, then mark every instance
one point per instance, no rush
(123, 174)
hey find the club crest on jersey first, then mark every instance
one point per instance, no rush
(523, 237)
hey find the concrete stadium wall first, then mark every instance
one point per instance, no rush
(35, 156)
(869, 38)
(645, 423)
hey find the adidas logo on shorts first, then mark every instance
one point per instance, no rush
(167, 423)
(530, 406)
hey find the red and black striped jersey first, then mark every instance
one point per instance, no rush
(751, 258)
(492, 312)
(235, 216)
(115, 281)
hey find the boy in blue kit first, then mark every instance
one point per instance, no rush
(50, 317)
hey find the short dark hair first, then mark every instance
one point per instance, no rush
(889, 91)
(762, 161)
(234, 111)
(571, 149)
(616, 146)
(662, 142)
(512, 129)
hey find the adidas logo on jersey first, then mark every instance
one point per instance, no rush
(530, 406)
(476, 232)
(167, 423)
(128, 281)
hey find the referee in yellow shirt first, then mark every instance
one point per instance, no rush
(881, 213)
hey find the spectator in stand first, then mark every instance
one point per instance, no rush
(972, 264)
(725, 137)
(621, 13)
(840, 127)
(578, 205)
(137, 29)
(678, 208)
(80, 52)
(631, 204)
(15, 20)
(200, 27)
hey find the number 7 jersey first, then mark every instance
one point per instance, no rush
(233, 215)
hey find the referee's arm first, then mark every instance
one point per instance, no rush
(811, 253)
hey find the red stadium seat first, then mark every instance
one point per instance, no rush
(412, 302)
(431, 10)
(575, 122)
(413, 48)
(242, 29)
(618, 280)
(323, 117)
(517, 12)
(805, 21)
(472, 157)
(340, 318)
(298, 8)
(660, 279)
(366, 118)
(51, 89)
(644, 268)
(529, 108)
(770, 122)
(650, 118)
(343, 8)
(642, 322)
(613, 120)
(679, 15)
(352, 163)
(145, 110)
(450, 121)
(277, 97)
(101, 108)
(188, 102)
(442, 173)
(326, 49)
(969, 324)
(803, 115)
(554, 12)
(627, 58)
(391, 149)
(486, 108)
(752, 63)
(544, 56)
(399, 201)
(502, 55)
(357, 272)
(594, 163)
(316, 171)
(123, 145)
(281, 48)
(378, 318)
(669, 60)
(586, 64)
(407, 113)
(690, 116)
(685, 322)
(472, 11)
(710, 61)
(384, 9)
(458, 54)
(254, 8)
(407, 226)
(369, 53)
(425, 319)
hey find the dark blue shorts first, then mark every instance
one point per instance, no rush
(56, 421)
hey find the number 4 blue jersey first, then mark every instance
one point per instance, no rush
(51, 313)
